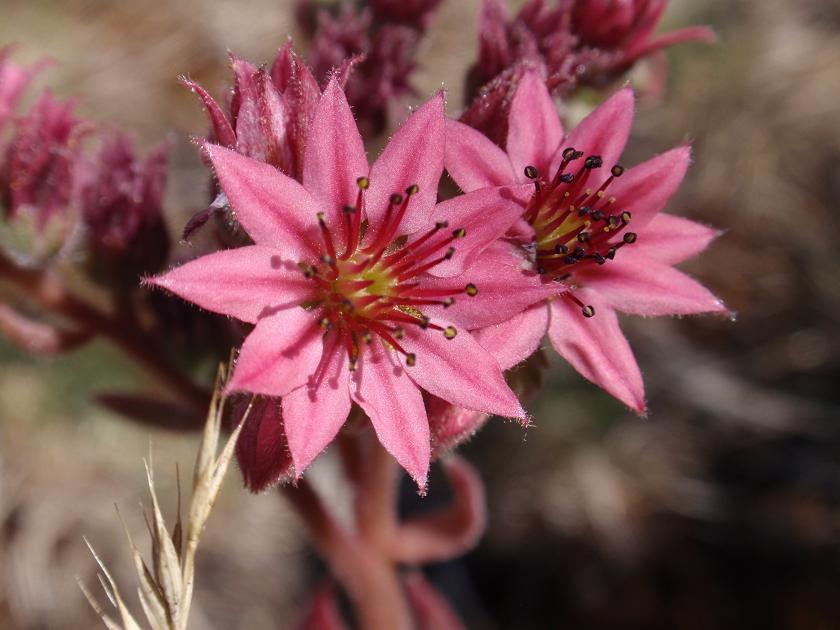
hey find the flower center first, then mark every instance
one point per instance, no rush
(374, 286)
(575, 224)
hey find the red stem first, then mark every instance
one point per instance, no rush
(368, 577)
(375, 499)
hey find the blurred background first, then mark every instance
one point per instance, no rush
(719, 510)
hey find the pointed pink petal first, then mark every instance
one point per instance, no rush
(473, 160)
(604, 132)
(460, 371)
(219, 122)
(640, 285)
(242, 283)
(414, 155)
(335, 157)
(596, 347)
(671, 239)
(515, 340)
(506, 287)
(314, 413)
(450, 425)
(274, 209)
(645, 189)
(485, 215)
(534, 130)
(395, 407)
(279, 354)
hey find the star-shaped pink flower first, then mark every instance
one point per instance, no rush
(341, 275)
(592, 228)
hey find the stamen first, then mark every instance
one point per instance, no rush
(587, 309)
(593, 161)
(392, 224)
(429, 265)
(325, 234)
(471, 290)
(352, 223)
(531, 172)
(450, 332)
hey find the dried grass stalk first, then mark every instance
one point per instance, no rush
(165, 591)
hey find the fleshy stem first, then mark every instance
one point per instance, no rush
(368, 576)
(46, 288)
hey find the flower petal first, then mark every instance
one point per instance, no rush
(515, 340)
(450, 425)
(274, 209)
(604, 132)
(222, 130)
(460, 371)
(671, 240)
(473, 160)
(395, 407)
(278, 355)
(242, 283)
(485, 215)
(261, 449)
(334, 157)
(640, 285)
(505, 284)
(597, 348)
(534, 130)
(314, 413)
(645, 189)
(414, 155)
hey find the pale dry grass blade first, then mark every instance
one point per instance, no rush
(113, 593)
(165, 592)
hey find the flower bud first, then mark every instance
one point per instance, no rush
(579, 42)
(122, 207)
(269, 112)
(39, 181)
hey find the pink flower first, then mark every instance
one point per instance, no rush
(591, 228)
(343, 276)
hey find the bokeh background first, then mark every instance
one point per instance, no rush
(719, 510)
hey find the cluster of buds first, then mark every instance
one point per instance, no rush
(38, 178)
(267, 119)
(269, 110)
(578, 42)
(382, 40)
(122, 207)
(52, 191)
